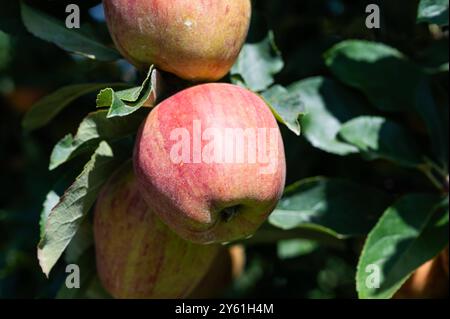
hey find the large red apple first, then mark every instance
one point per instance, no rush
(210, 161)
(196, 40)
(137, 255)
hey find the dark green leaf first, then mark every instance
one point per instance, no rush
(328, 105)
(257, 64)
(5, 50)
(54, 196)
(87, 269)
(50, 202)
(94, 128)
(338, 207)
(50, 29)
(411, 232)
(378, 137)
(436, 120)
(433, 11)
(50, 106)
(10, 19)
(434, 59)
(286, 105)
(66, 217)
(384, 74)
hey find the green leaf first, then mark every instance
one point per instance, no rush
(66, 217)
(434, 59)
(5, 50)
(378, 137)
(50, 202)
(433, 11)
(436, 120)
(295, 248)
(328, 105)
(50, 106)
(81, 242)
(86, 264)
(10, 19)
(257, 64)
(286, 105)
(411, 232)
(126, 102)
(54, 196)
(383, 73)
(94, 128)
(52, 30)
(96, 290)
(338, 207)
(270, 235)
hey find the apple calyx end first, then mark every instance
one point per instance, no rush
(229, 213)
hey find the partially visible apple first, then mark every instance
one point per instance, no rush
(210, 161)
(196, 40)
(429, 281)
(137, 255)
(23, 98)
(445, 262)
(227, 267)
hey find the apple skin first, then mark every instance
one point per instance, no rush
(138, 256)
(209, 202)
(195, 40)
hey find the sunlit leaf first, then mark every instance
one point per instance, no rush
(411, 232)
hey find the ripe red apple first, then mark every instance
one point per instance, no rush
(210, 160)
(196, 40)
(137, 255)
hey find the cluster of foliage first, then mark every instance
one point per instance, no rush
(364, 114)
